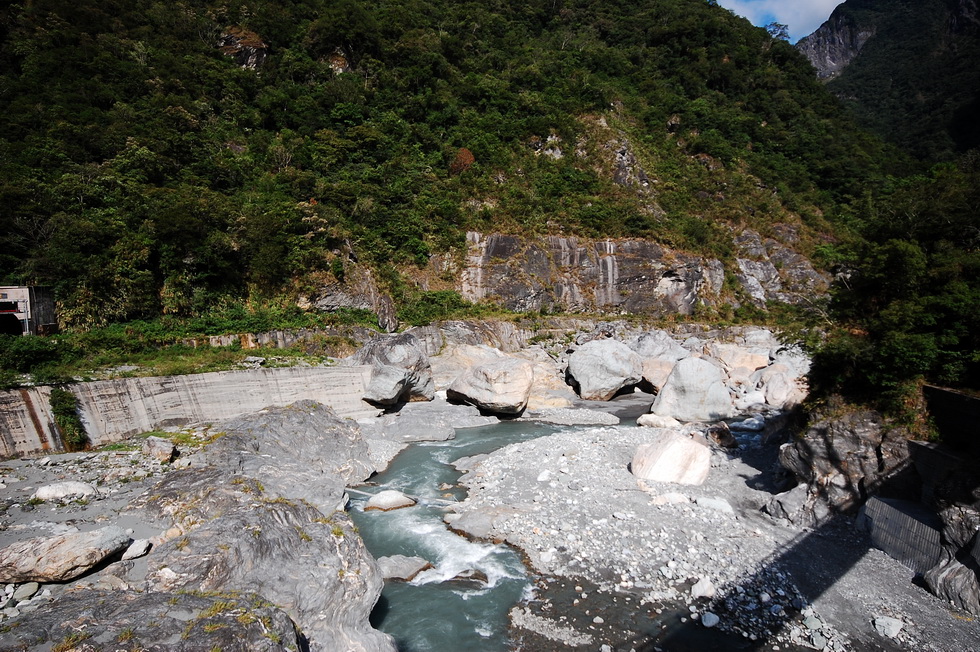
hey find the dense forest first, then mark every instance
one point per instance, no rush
(174, 159)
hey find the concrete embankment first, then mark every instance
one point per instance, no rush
(115, 409)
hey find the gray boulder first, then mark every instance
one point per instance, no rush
(400, 567)
(241, 535)
(160, 449)
(303, 450)
(695, 391)
(127, 620)
(401, 369)
(601, 368)
(501, 387)
(59, 558)
(957, 583)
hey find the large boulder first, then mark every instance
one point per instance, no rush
(695, 391)
(780, 385)
(231, 533)
(672, 457)
(303, 450)
(127, 620)
(957, 583)
(501, 387)
(59, 558)
(456, 359)
(401, 370)
(69, 489)
(601, 368)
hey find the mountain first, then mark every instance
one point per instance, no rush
(167, 158)
(908, 69)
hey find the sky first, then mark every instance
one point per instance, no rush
(801, 16)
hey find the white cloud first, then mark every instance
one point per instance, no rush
(802, 16)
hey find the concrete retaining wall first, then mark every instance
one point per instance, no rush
(115, 409)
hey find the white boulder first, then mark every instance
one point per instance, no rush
(388, 500)
(672, 457)
(603, 367)
(67, 489)
(695, 391)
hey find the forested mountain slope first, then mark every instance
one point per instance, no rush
(167, 157)
(908, 69)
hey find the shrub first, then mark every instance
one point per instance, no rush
(64, 407)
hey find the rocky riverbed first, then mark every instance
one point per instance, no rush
(627, 564)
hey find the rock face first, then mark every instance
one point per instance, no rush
(59, 558)
(771, 271)
(574, 274)
(160, 621)
(244, 46)
(694, 391)
(673, 457)
(601, 368)
(845, 458)
(622, 276)
(502, 387)
(400, 370)
(302, 451)
(835, 44)
(240, 534)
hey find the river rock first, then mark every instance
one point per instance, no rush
(137, 549)
(695, 391)
(956, 583)
(25, 591)
(782, 388)
(888, 626)
(234, 533)
(601, 368)
(400, 567)
(572, 417)
(160, 449)
(59, 558)
(62, 490)
(672, 457)
(128, 620)
(456, 359)
(721, 435)
(388, 500)
(657, 421)
(303, 450)
(501, 387)
(703, 588)
(401, 369)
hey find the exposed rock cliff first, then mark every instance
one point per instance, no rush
(835, 43)
(627, 276)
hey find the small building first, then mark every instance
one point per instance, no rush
(26, 310)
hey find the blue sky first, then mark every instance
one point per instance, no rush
(802, 16)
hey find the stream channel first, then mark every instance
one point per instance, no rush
(435, 612)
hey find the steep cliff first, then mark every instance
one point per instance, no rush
(909, 70)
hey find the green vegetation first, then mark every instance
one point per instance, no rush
(145, 173)
(909, 308)
(64, 408)
(917, 80)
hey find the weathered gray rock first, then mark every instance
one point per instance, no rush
(572, 417)
(25, 591)
(300, 451)
(782, 388)
(695, 391)
(68, 489)
(137, 549)
(400, 567)
(887, 626)
(59, 558)
(672, 457)
(433, 421)
(957, 583)
(601, 368)
(160, 449)
(240, 534)
(501, 387)
(388, 500)
(843, 457)
(127, 620)
(401, 369)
